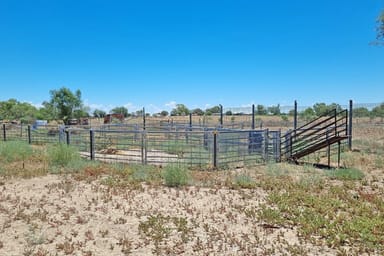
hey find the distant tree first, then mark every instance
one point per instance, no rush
(360, 112)
(65, 102)
(333, 106)
(47, 112)
(275, 110)
(261, 110)
(99, 113)
(15, 110)
(198, 112)
(180, 110)
(213, 110)
(307, 114)
(320, 109)
(138, 112)
(83, 111)
(229, 113)
(164, 113)
(120, 110)
(378, 111)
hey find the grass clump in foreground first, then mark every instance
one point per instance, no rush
(336, 215)
(175, 176)
(15, 151)
(346, 174)
(62, 155)
(19, 159)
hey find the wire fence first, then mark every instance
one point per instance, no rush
(195, 147)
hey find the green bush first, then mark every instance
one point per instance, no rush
(15, 151)
(62, 155)
(244, 181)
(346, 174)
(175, 176)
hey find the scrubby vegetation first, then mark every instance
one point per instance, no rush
(91, 208)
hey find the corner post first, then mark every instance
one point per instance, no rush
(350, 125)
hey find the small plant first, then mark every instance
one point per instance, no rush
(15, 151)
(346, 174)
(244, 181)
(62, 155)
(175, 176)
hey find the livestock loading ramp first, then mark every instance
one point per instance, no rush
(318, 134)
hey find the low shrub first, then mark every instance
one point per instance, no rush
(244, 181)
(175, 176)
(12, 151)
(346, 174)
(62, 155)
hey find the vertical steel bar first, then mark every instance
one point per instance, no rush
(338, 154)
(92, 144)
(329, 156)
(4, 133)
(215, 149)
(142, 147)
(221, 116)
(29, 135)
(266, 145)
(68, 133)
(253, 116)
(143, 118)
(350, 125)
(278, 138)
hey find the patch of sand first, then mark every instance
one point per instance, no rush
(57, 215)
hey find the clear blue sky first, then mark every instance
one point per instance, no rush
(153, 54)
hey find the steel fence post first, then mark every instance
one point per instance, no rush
(278, 139)
(4, 133)
(92, 144)
(29, 135)
(266, 144)
(68, 134)
(221, 115)
(350, 125)
(215, 149)
(253, 116)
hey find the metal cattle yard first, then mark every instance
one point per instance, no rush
(165, 143)
(195, 145)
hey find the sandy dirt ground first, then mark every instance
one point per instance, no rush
(57, 215)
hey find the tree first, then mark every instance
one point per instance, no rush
(308, 114)
(15, 110)
(320, 109)
(213, 110)
(261, 110)
(120, 110)
(99, 113)
(180, 110)
(164, 113)
(275, 110)
(360, 112)
(198, 112)
(378, 111)
(83, 111)
(64, 102)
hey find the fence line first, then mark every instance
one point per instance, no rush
(190, 146)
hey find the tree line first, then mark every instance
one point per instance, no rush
(65, 105)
